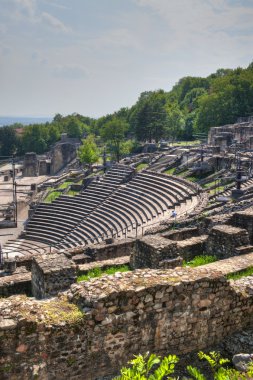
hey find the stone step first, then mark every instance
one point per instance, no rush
(243, 250)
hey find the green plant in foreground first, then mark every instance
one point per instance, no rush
(152, 367)
(143, 368)
(200, 260)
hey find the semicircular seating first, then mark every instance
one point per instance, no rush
(117, 205)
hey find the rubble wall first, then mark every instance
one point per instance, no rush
(103, 322)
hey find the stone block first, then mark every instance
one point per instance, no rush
(52, 274)
(151, 250)
(224, 239)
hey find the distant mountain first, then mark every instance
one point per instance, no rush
(8, 120)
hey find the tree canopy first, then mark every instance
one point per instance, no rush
(192, 106)
(88, 152)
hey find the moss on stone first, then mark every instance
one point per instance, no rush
(56, 311)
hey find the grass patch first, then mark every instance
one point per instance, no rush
(209, 184)
(181, 143)
(200, 260)
(52, 196)
(72, 193)
(217, 190)
(242, 273)
(98, 272)
(182, 172)
(192, 178)
(141, 166)
(170, 171)
(65, 185)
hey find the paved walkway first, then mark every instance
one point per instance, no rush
(14, 232)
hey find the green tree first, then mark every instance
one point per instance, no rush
(148, 116)
(88, 152)
(113, 133)
(9, 142)
(175, 122)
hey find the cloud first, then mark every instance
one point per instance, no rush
(201, 28)
(70, 71)
(28, 5)
(28, 10)
(54, 22)
(56, 5)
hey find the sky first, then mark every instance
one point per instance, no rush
(96, 56)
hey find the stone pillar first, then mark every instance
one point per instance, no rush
(30, 165)
(52, 274)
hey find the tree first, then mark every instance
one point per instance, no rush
(175, 121)
(88, 152)
(8, 141)
(113, 132)
(148, 117)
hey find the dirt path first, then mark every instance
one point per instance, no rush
(14, 232)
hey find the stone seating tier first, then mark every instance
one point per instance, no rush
(108, 207)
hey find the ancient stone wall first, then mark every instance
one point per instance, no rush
(224, 239)
(224, 135)
(244, 219)
(17, 283)
(152, 250)
(62, 154)
(52, 274)
(108, 320)
(30, 168)
(103, 251)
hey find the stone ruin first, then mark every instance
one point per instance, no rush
(225, 136)
(63, 329)
(159, 307)
(61, 154)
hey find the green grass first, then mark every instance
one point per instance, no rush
(209, 184)
(98, 272)
(242, 273)
(141, 166)
(181, 143)
(217, 190)
(200, 260)
(170, 171)
(192, 178)
(65, 185)
(52, 196)
(72, 193)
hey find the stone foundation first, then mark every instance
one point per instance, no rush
(52, 274)
(224, 239)
(108, 320)
(152, 250)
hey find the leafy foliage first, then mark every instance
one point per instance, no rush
(113, 133)
(88, 152)
(149, 367)
(152, 367)
(192, 106)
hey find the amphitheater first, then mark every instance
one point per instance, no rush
(56, 325)
(120, 204)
